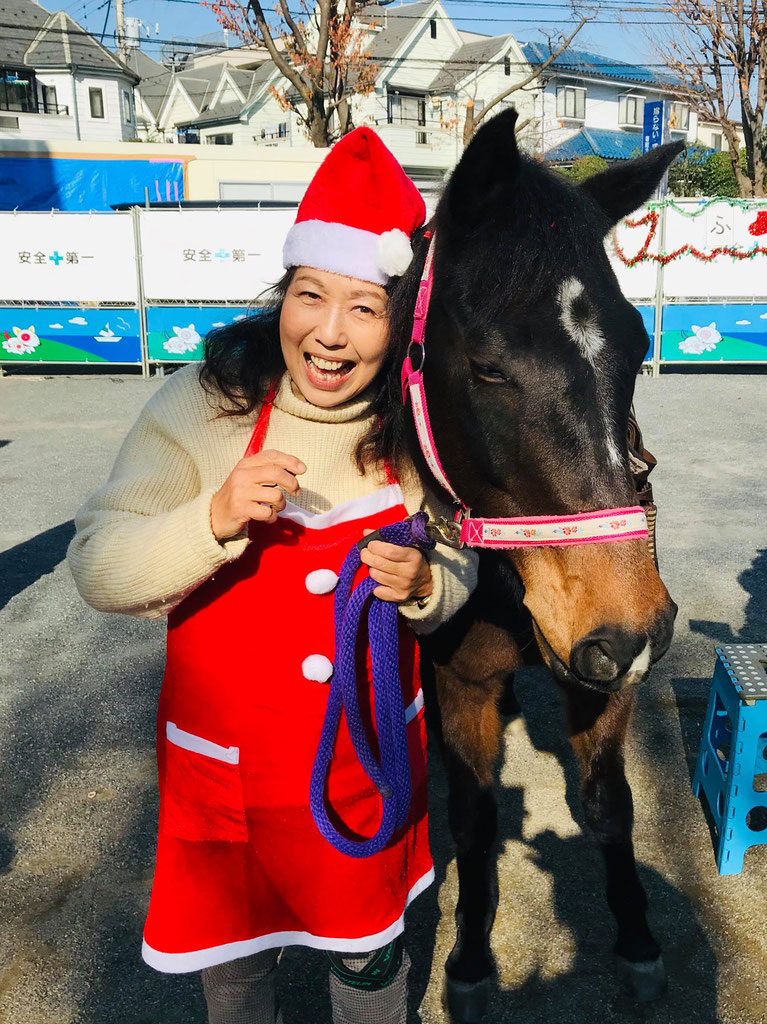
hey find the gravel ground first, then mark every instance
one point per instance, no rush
(77, 700)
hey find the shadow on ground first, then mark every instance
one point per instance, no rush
(24, 564)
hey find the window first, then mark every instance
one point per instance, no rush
(678, 117)
(421, 138)
(17, 91)
(50, 99)
(222, 139)
(405, 109)
(630, 109)
(127, 107)
(96, 100)
(433, 28)
(716, 141)
(282, 130)
(571, 102)
(507, 65)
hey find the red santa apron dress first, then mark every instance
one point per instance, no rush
(241, 866)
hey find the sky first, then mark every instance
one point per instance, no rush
(187, 19)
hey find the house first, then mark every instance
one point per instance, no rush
(428, 71)
(591, 105)
(58, 82)
(170, 101)
(710, 134)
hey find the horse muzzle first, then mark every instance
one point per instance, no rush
(612, 657)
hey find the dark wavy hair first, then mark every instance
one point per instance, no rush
(241, 360)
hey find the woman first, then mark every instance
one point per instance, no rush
(230, 508)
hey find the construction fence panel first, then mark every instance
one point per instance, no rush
(69, 288)
(146, 286)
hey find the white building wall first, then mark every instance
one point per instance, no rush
(178, 108)
(112, 126)
(406, 75)
(601, 110)
(78, 123)
(267, 116)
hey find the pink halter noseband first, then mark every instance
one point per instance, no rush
(532, 531)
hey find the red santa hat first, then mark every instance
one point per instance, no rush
(358, 213)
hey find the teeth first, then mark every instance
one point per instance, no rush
(326, 364)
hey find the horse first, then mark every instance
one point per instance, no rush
(533, 353)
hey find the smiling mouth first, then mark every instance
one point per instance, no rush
(329, 370)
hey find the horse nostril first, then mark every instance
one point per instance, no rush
(604, 656)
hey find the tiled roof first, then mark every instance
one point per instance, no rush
(36, 39)
(594, 65)
(226, 113)
(465, 59)
(155, 79)
(607, 143)
(396, 25)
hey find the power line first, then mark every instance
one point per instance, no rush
(422, 61)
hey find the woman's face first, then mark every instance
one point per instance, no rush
(334, 335)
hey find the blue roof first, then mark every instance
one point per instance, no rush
(604, 142)
(596, 66)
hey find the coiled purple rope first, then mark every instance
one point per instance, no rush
(391, 774)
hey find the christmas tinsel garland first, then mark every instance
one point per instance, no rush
(652, 218)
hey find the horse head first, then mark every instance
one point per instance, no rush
(533, 352)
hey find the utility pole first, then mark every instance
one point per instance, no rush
(122, 49)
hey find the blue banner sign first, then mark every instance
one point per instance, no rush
(652, 136)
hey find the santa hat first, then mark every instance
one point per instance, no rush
(358, 213)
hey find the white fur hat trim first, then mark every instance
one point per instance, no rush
(393, 252)
(321, 581)
(317, 667)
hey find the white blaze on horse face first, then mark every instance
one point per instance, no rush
(587, 335)
(585, 332)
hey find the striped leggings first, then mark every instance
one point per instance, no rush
(244, 991)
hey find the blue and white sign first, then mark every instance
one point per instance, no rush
(654, 117)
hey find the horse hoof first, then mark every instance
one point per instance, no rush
(645, 979)
(466, 1001)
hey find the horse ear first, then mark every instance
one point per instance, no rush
(489, 161)
(624, 187)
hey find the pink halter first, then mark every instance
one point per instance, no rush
(533, 531)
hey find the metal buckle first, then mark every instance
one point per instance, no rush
(445, 531)
(422, 347)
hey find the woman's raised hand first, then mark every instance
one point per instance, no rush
(254, 490)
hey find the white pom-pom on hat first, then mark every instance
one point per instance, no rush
(393, 252)
(317, 668)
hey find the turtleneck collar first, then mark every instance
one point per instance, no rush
(356, 409)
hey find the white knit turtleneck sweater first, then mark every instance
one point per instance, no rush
(144, 539)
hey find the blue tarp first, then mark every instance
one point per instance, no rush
(61, 183)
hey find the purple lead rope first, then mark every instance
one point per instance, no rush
(390, 772)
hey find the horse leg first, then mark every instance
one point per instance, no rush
(469, 687)
(597, 726)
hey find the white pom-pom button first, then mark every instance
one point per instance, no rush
(393, 252)
(317, 667)
(321, 581)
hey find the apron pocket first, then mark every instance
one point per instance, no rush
(202, 796)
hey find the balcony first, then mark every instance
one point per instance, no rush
(30, 110)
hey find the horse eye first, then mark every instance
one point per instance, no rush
(487, 373)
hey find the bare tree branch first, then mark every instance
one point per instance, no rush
(718, 52)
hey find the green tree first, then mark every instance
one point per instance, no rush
(718, 176)
(586, 167)
(687, 173)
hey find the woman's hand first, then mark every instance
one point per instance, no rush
(403, 573)
(253, 490)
